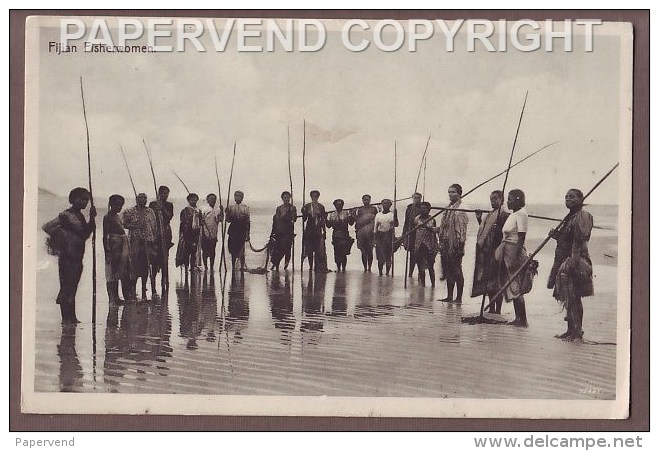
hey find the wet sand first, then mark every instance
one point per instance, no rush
(351, 334)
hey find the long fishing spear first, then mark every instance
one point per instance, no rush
(393, 235)
(503, 190)
(290, 180)
(478, 210)
(130, 176)
(161, 225)
(416, 189)
(425, 166)
(405, 235)
(219, 195)
(423, 159)
(372, 205)
(546, 240)
(304, 186)
(202, 222)
(224, 227)
(505, 170)
(182, 182)
(91, 200)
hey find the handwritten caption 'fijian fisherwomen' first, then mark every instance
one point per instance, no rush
(132, 35)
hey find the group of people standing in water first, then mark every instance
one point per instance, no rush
(137, 242)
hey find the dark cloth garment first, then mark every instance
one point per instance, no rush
(75, 232)
(314, 231)
(489, 238)
(579, 282)
(384, 246)
(164, 212)
(283, 233)
(313, 237)
(364, 222)
(341, 239)
(425, 257)
(411, 212)
(452, 266)
(189, 233)
(70, 271)
(208, 247)
(115, 244)
(239, 227)
(572, 282)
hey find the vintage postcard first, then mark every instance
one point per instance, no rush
(283, 216)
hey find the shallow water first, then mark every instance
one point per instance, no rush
(296, 333)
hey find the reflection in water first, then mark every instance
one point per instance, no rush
(70, 374)
(339, 297)
(208, 308)
(313, 302)
(189, 302)
(281, 305)
(238, 306)
(138, 345)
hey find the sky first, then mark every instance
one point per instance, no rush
(191, 107)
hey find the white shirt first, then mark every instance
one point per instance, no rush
(517, 222)
(384, 222)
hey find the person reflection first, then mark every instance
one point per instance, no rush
(339, 297)
(70, 370)
(137, 343)
(313, 297)
(134, 341)
(281, 305)
(159, 329)
(189, 301)
(238, 307)
(208, 308)
(375, 297)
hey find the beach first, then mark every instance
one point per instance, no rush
(346, 334)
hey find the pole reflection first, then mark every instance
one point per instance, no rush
(281, 305)
(70, 374)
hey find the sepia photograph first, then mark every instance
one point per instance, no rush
(327, 217)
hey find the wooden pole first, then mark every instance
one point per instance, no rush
(423, 158)
(182, 182)
(503, 190)
(304, 186)
(505, 170)
(393, 235)
(290, 181)
(91, 200)
(425, 165)
(130, 176)
(164, 282)
(546, 240)
(219, 198)
(224, 227)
